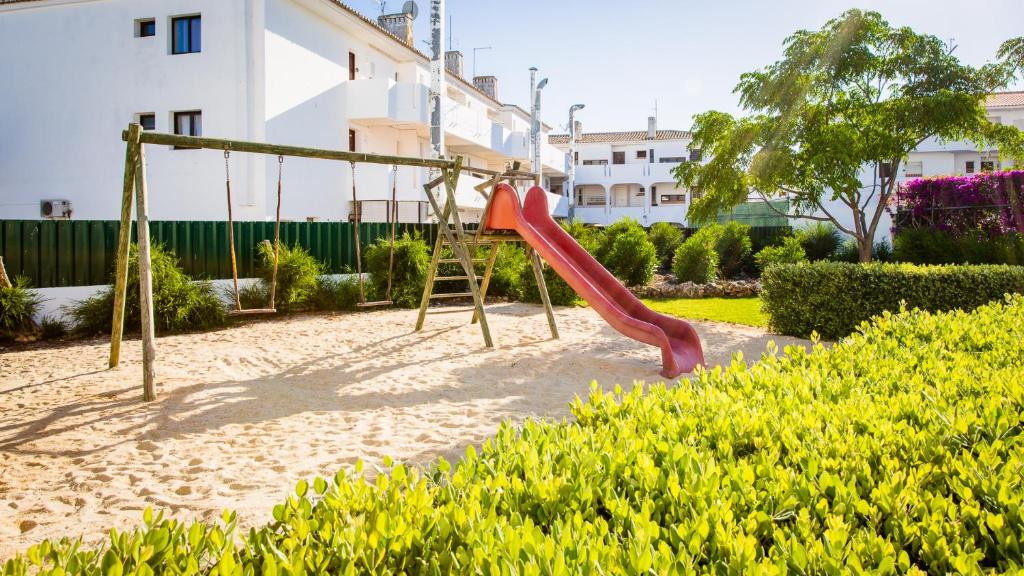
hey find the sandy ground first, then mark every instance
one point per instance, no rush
(244, 413)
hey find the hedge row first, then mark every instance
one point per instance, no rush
(834, 298)
(898, 450)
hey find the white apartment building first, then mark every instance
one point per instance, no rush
(311, 73)
(628, 174)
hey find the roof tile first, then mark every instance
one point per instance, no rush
(612, 137)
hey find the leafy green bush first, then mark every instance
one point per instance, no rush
(666, 237)
(179, 304)
(881, 251)
(925, 246)
(18, 306)
(53, 327)
(898, 451)
(696, 259)
(506, 277)
(819, 240)
(559, 291)
(334, 294)
(833, 298)
(592, 238)
(632, 257)
(412, 259)
(790, 252)
(733, 247)
(298, 276)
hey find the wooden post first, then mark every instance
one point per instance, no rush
(488, 269)
(123, 242)
(5, 282)
(542, 287)
(145, 277)
(1015, 208)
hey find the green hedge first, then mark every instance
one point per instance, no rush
(833, 298)
(896, 451)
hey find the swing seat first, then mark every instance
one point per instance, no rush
(252, 312)
(374, 304)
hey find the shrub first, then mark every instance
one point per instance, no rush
(506, 277)
(18, 306)
(179, 304)
(605, 239)
(298, 276)
(896, 451)
(53, 327)
(848, 251)
(819, 240)
(633, 257)
(926, 246)
(733, 247)
(559, 291)
(790, 252)
(590, 237)
(666, 238)
(833, 298)
(412, 259)
(334, 294)
(696, 259)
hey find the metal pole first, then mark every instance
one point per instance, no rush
(533, 112)
(437, 77)
(572, 159)
(536, 129)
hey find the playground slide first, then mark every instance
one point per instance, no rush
(680, 346)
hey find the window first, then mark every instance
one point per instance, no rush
(148, 121)
(673, 198)
(915, 169)
(672, 160)
(988, 165)
(186, 35)
(618, 157)
(351, 65)
(970, 167)
(188, 124)
(593, 162)
(145, 28)
(641, 153)
(695, 155)
(884, 170)
(654, 195)
(695, 194)
(650, 155)
(351, 140)
(576, 158)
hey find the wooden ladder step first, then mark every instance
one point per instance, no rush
(457, 261)
(443, 278)
(450, 310)
(452, 295)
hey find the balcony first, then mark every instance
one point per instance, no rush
(384, 101)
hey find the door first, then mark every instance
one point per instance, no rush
(351, 65)
(619, 157)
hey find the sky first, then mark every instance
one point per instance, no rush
(620, 58)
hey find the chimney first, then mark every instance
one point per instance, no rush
(488, 85)
(399, 25)
(578, 128)
(453, 62)
(652, 127)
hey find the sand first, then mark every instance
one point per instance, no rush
(244, 413)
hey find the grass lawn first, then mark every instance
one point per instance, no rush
(736, 310)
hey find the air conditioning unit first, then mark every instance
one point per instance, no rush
(55, 209)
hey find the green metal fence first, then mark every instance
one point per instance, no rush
(81, 253)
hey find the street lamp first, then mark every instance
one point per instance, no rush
(535, 128)
(572, 159)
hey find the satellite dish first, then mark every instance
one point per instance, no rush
(411, 9)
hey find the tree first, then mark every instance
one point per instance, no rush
(849, 100)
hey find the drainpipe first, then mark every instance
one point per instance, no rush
(572, 159)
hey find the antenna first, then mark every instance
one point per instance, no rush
(411, 9)
(382, 4)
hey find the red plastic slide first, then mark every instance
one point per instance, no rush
(680, 347)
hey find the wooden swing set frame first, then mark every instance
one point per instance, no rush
(452, 232)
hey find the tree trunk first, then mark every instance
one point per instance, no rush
(864, 249)
(5, 282)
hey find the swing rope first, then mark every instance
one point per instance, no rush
(392, 220)
(231, 240)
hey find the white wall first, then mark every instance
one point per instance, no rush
(75, 75)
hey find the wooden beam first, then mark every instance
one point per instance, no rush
(5, 282)
(281, 150)
(123, 245)
(542, 287)
(145, 278)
